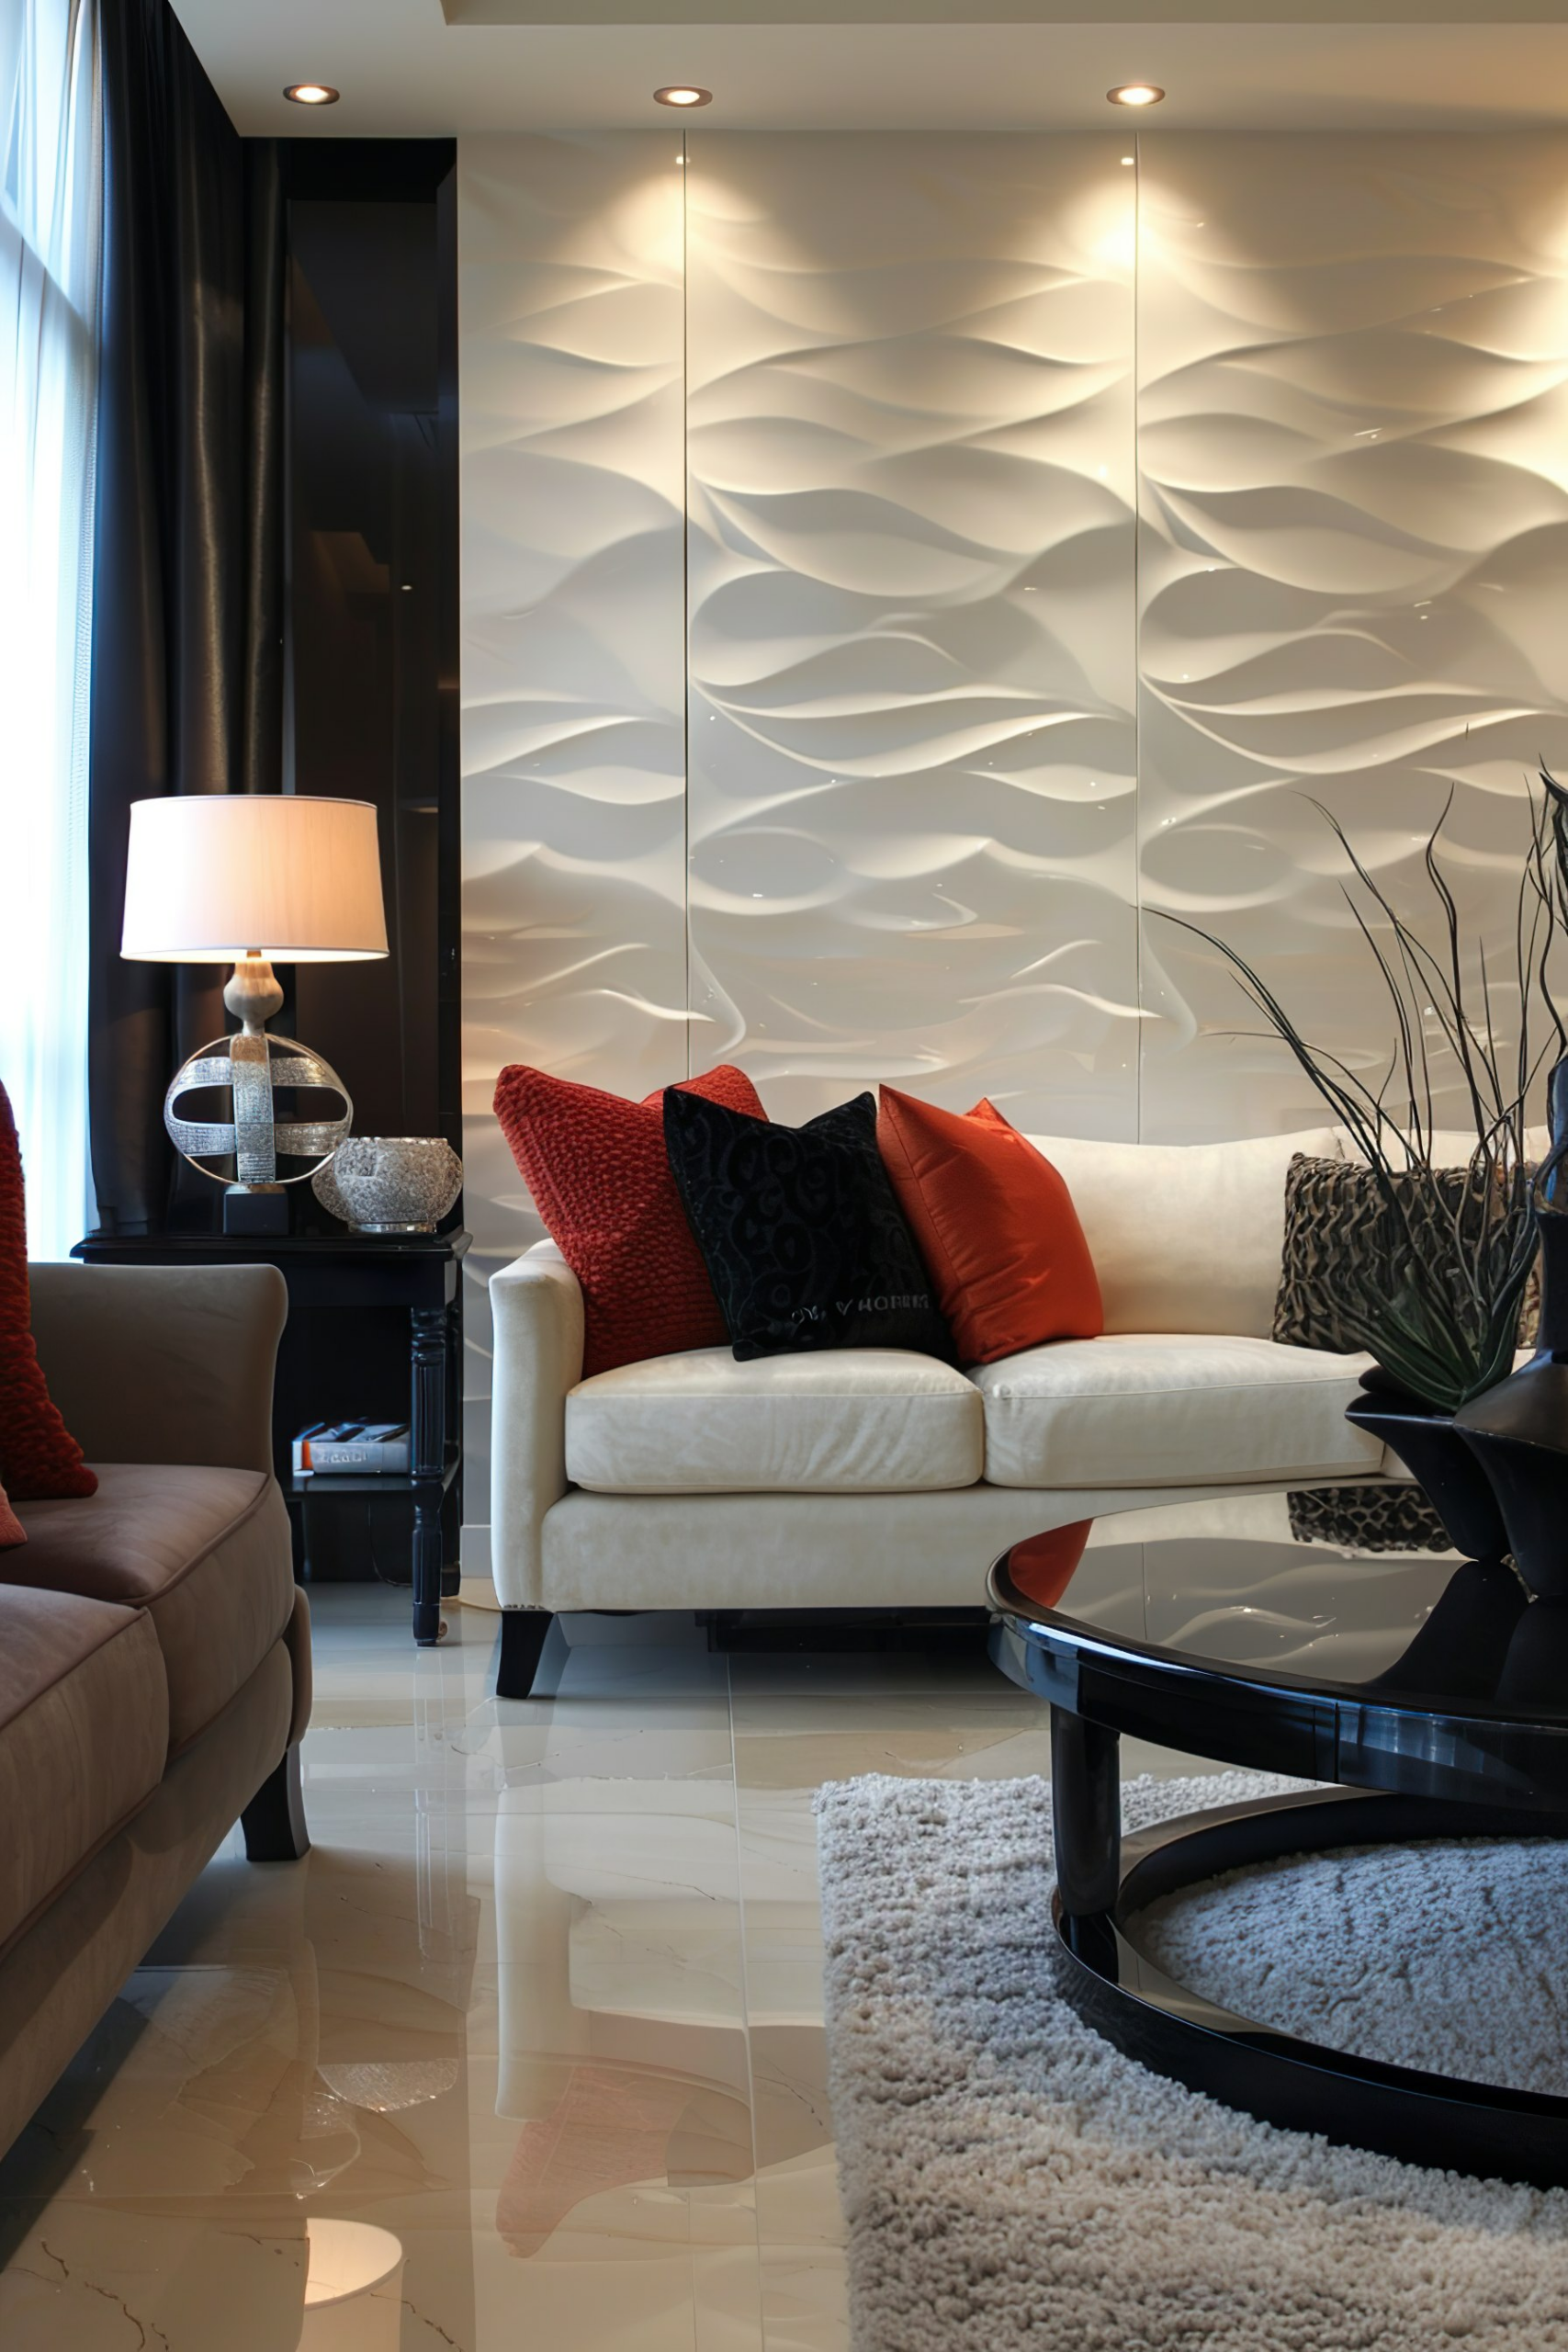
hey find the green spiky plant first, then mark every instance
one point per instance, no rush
(1460, 1244)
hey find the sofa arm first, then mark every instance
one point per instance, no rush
(162, 1363)
(536, 1317)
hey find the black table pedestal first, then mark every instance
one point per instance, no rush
(1086, 1804)
(1438, 2121)
(1421, 1692)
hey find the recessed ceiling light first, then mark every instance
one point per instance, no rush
(311, 94)
(1129, 159)
(1136, 93)
(684, 94)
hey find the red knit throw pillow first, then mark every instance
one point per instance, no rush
(40, 1458)
(597, 1168)
(12, 1532)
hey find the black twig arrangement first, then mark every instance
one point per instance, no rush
(1462, 1243)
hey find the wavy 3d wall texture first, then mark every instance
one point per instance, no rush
(897, 568)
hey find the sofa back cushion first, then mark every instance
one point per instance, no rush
(1185, 1237)
(1449, 1147)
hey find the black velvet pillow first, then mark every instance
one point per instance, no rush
(805, 1245)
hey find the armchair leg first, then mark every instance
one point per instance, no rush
(274, 1821)
(524, 1633)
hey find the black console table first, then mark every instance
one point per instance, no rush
(418, 1273)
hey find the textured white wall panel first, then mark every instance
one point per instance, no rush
(1353, 435)
(912, 618)
(573, 649)
(898, 601)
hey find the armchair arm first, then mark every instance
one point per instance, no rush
(162, 1363)
(536, 1313)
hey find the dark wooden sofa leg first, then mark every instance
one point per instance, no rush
(274, 1821)
(524, 1633)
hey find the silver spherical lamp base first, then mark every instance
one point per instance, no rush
(251, 1065)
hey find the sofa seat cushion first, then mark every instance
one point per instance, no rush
(1145, 1410)
(845, 1421)
(206, 1552)
(84, 1732)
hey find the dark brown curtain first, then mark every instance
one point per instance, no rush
(187, 658)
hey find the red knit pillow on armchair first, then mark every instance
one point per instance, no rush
(40, 1458)
(597, 1168)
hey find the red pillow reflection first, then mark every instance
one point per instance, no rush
(1042, 1565)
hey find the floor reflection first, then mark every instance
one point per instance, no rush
(543, 2007)
(293, 2048)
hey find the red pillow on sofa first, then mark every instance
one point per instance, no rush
(12, 1532)
(600, 1176)
(40, 1458)
(995, 1225)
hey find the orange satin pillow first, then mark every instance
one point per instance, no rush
(995, 1225)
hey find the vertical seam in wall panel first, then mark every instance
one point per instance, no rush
(1139, 1024)
(686, 591)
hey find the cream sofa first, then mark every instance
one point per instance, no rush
(875, 1477)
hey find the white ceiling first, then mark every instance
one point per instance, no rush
(403, 69)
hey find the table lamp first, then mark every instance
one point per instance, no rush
(241, 878)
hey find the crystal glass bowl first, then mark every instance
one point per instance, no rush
(391, 1183)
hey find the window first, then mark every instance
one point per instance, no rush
(51, 208)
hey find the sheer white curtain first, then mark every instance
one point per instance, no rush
(51, 212)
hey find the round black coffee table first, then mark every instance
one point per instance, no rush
(1432, 1691)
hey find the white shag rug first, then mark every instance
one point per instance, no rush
(1014, 2184)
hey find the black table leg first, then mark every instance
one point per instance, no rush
(452, 1507)
(451, 1565)
(427, 1408)
(427, 1417)
(427, 1552)
(1086, 1813)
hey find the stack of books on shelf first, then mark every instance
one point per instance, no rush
(361, 1447)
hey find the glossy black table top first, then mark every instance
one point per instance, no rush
(1214, 1628)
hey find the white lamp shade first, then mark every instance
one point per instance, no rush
(214, 877)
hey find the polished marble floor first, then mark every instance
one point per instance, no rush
(540, 2016)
